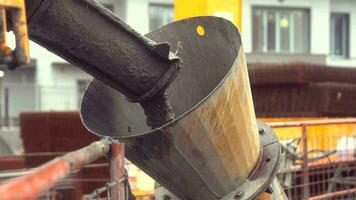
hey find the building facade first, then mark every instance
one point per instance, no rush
(315, 31)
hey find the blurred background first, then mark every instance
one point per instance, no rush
(288, 35)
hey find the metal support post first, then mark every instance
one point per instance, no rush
(117, 171)
(305, 170)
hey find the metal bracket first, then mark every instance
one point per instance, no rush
(262, 177)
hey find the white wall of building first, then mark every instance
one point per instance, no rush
(138, 13)
(44, 60)
(320, 29)
(319, 9)
(58, 85)
(346, 6)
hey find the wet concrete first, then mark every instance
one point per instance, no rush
(158, 111)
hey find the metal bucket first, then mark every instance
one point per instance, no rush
(213, 145)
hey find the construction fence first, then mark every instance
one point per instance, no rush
(319, 160)
(319, 157)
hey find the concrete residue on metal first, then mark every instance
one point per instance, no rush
(92, 38)
(158, 111)
(212, 144)
(87, 154)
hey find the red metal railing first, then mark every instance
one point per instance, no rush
(48, 175)
(41, 179)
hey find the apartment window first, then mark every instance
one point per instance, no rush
(281, 30)
(339, 34)
(160, 14)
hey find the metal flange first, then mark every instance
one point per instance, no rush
(262, 177)
(259, 180)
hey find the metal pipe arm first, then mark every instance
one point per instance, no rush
(89, 36)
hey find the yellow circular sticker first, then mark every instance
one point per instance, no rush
(200, 30)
